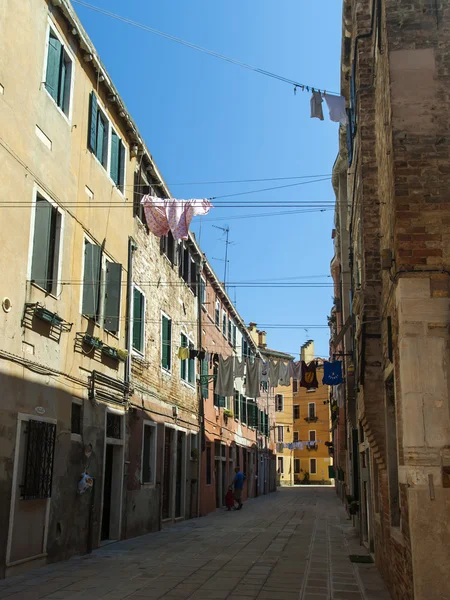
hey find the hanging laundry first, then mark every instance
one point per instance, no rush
(193, 354)
(239, 368)
(309, 375)
(201, 355)
(264, 369)
(252, 383)
(316, 106)
(169, 214)
(332, 373)
(336, 106)
(225, 377)
(296, 370)
(284, 374)
(274, 370)
(183, 353)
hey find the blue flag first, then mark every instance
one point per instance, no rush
(332, 373)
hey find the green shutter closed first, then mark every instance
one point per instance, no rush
(222, 401)
(115, 150)
(236, 404)
(92, 138)
(42, 244)
(138, 320)
(63, 80)
(121, 172)
(112, 299)
(54, 58)
(191, 368)
(166, 343)
(205, 386)
(91, 279)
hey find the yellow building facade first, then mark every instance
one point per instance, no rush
(311, 426)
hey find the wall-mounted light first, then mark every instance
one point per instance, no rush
(134, 150)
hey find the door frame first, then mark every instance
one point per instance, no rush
(113, 442)
(173, 481)
(21, 418)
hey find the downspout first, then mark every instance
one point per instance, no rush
(201, 405)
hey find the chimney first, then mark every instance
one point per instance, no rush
(307, 351)
(253, 332)
(262, 339)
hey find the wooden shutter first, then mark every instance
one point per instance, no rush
(204, 381)
(166, 343)
(42, 250)
(63, 79)
(121, 172)
(91, 279)
(54, 58)
(115, 151)
(193, 277)
(92, 137)
(112, 299)
(138, 320)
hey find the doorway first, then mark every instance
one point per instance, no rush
(166, 512)
(179, 487)
(107, 488)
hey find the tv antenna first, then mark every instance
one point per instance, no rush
(226, 230)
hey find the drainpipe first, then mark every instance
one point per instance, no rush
(201, 405)
(128, 328)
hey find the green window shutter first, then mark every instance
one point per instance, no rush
(243, 411)
(101, 147)
(236, 404)
(138, 320)
(91, 279)
(121, 173)
(63, 79)
(184, 344)
(191, 367)
(42, 251)
(205, 386)
(266, 424)
(222, 402)
(112, 300)
(115, 150)
(54, 58)
(166, 354)
(92, 137)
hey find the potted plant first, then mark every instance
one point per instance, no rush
(305, 478)
(228, 414)
(110, 352)
(48, 316)
(122, 354)
(92, 341)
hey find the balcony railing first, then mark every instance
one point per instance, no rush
(311, 419)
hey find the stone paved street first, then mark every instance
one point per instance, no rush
(286, 546)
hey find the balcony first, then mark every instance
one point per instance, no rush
(312, 446)
(311, 419)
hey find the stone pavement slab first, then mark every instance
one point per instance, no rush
(291, 545)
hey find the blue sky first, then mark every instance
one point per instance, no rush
(207, 120)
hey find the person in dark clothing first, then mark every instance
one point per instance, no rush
(238, 483)
(229, 498)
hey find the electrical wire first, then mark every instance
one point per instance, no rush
(227, 181)
(238, 63)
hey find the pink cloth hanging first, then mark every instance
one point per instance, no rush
(169, 214)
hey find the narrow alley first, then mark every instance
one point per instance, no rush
(294, 544)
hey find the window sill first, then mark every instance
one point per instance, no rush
(44, 291)
(188, 385)
(138, 355)
(59, 109)
(166, 371)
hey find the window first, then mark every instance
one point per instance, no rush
(219, 401)
(208, 464)
(236, 404)
(312, 466)
(295, 386)
(202, 290)
(167, 246)
(279, 402)
(46, 245)
(141, 188)
(224, 323)
(296, 411)
(295, 438)
(312, 435)
(296, 465)
(243, 411)
(148, 453)
(280, 433)
(166, 343)
(113, 425)
(58, 76)
(217, 316)
(280, 465)
(245, 349)
(193, 276)
(187, 366)
(230, 332)
(234, 335)
(117, 163)
(76, 419)
(138, 320)
(311, 410)
(38, 465)
(252, 413)
(98, 132)
(102, 282)
(105, 143)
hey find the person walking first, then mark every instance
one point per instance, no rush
(238, 483)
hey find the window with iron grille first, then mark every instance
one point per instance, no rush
(279, 402)
(296, 411)
(38, 468)
(280, 433)
(113, 426)
(76, 418)
(312, 410)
